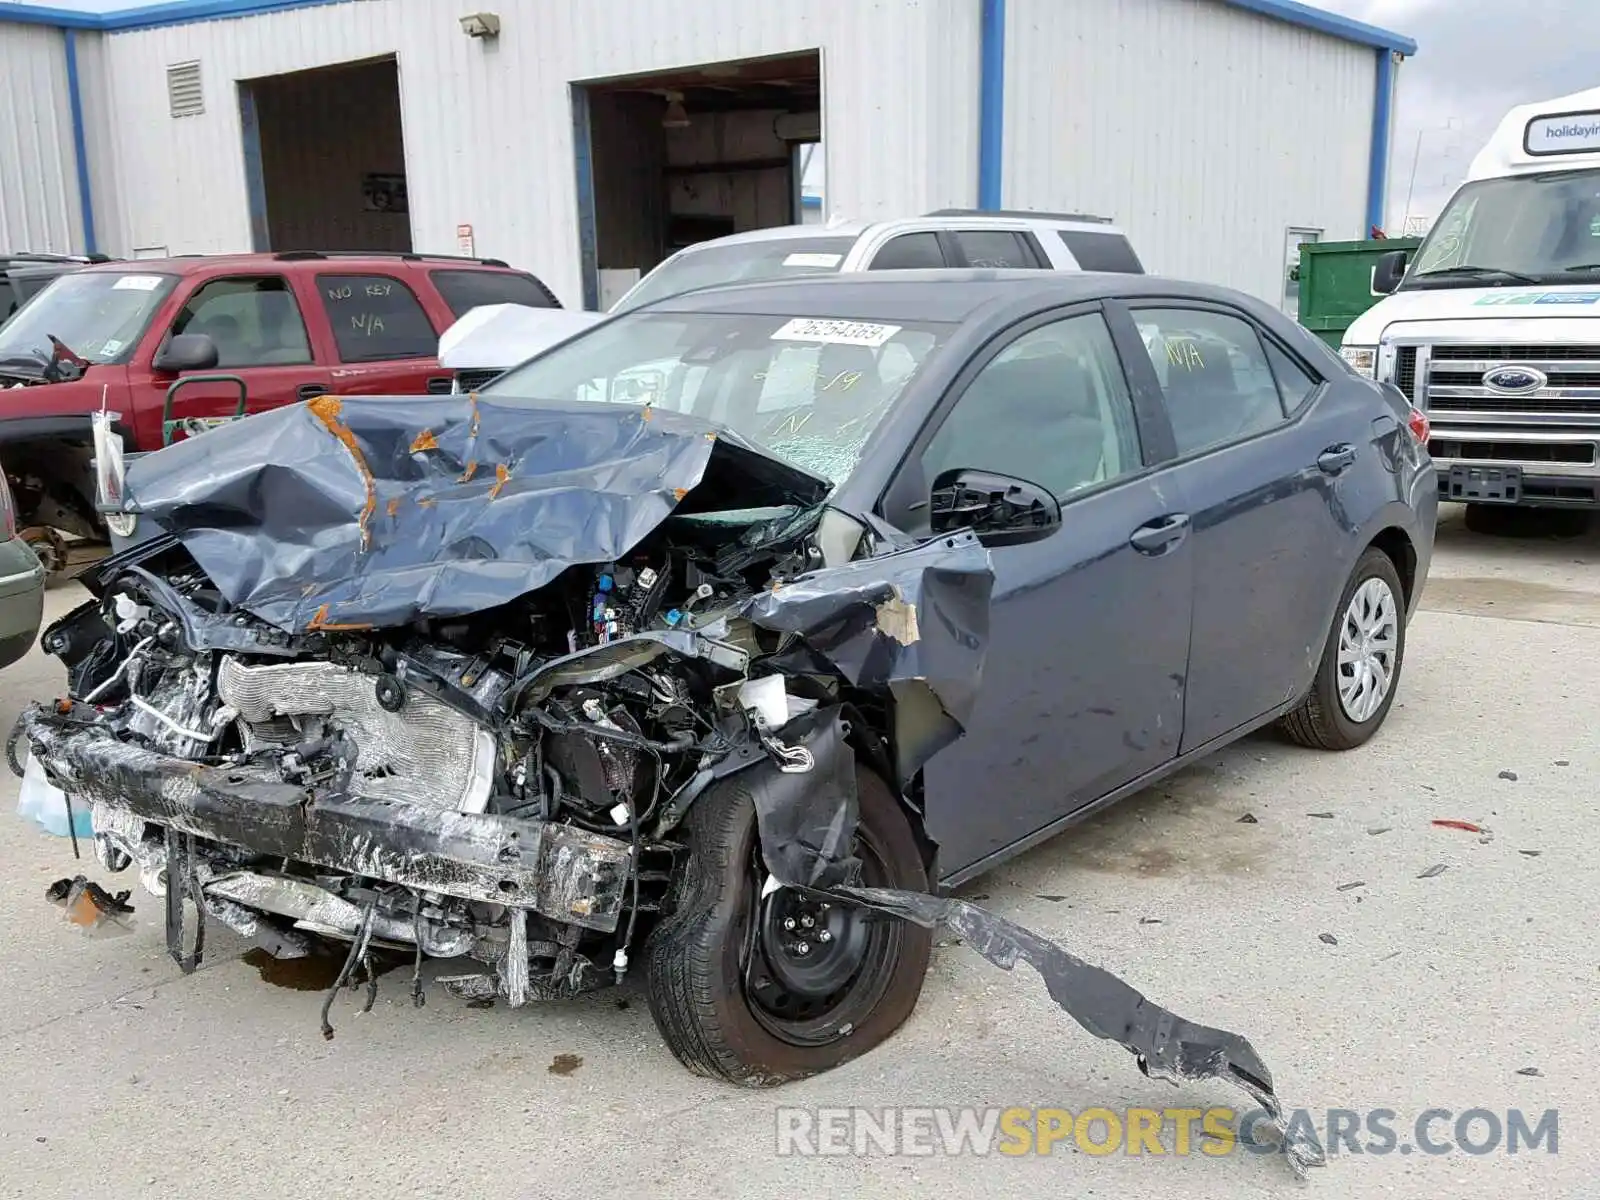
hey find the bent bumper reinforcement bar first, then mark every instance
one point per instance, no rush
(555, 870)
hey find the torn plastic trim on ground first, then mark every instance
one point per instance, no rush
(368, 512)
(1165, 1045)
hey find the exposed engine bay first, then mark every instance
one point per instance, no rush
(371, 692)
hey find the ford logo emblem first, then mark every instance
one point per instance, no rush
(1514, 381)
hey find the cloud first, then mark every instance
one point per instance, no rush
(1475, 59)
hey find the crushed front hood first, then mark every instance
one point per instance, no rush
(370, 512)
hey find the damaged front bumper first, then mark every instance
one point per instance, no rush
(558, 871)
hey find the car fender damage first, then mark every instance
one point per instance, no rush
(363, 695)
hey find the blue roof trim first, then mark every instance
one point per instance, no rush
(180, 12)
(148, 16)
(1329, 23)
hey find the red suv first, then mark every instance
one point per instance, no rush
(262, 329)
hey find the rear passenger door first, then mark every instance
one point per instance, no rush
(1089, 628)
(1270, 534)
(383, 342)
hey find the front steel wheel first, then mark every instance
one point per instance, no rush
(1361, 661)
(760, 986)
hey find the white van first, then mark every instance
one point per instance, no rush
(1492, 326)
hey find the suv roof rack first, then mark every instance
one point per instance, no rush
(403, 255)
(1018, 212)
(45, 256)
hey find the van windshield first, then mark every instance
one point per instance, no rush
(1521, 229)
(98, 315)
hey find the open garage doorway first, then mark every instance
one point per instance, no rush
(678, 157)
(325, 158)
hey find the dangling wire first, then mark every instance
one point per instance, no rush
(417, 998)
(358, 950)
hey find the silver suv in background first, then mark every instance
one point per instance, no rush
(950, 237)
(492, 339)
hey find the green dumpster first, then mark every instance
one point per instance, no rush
(1336, 282)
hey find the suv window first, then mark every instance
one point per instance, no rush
(1053, 408)
(375, 317)
(994, 248)
(464, 291)
(909, 251)
(1214, 373)
(253, 320)
(1101, 251)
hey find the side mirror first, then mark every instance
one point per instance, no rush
(1000, 509)
(1387, 273)
(186, 352)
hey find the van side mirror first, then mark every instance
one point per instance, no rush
(1388, 271)
(1001, 509)
(185, 352)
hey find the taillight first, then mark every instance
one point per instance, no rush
(1418, 424)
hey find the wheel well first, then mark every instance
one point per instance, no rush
(1394, 542)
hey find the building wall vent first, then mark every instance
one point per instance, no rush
(184, 95)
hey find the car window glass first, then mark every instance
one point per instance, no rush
(909, 251)
(993, 248)
(811, 388)
(375, 317)
(1294, 384)
(1052, 408)
(464, 291)
(1101, 251)
(1213, 373)
(252, 319)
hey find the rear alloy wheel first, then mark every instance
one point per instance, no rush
(1361, 661)
(762, 989)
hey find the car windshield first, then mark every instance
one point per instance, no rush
(1544, 228)
(99, 315)
(809, 388)
(739, 262)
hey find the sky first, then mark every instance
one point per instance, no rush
(1475, 59)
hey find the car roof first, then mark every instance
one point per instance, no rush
(944, 294)
(966, 218)
(784, 233)
(195, 264)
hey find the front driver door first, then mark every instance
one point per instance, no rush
(1083, 680)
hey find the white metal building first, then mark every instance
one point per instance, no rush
(575, 136)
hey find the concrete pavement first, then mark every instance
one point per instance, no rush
(123, 1078)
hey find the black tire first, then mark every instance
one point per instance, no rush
(1321, 722)
(695, 960)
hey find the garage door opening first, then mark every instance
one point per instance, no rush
(325, 159)
(671, 159)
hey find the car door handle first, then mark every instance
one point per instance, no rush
(1336, 458)
(310, 391)
(1153, 537)
(440, 385)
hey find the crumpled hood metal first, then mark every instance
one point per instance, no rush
(369, 512)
